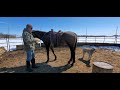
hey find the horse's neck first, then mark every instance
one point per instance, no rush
(43, 35)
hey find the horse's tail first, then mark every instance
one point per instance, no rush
(75, 43)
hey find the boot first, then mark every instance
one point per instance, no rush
(33, 63)
(28, 66)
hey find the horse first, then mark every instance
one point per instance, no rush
(70, 38)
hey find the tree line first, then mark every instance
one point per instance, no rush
(7, 36)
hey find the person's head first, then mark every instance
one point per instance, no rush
(29, 27)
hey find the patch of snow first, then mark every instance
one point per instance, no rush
(115, 48)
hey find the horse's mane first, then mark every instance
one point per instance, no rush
(38, 31)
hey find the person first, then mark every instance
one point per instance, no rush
(29, 47)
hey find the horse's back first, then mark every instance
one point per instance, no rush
(69, 34)
(70, 37)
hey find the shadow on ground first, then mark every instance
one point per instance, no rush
(43, 68)
(87, 62)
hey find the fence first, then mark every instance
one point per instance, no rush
(10, 44)
(13, 42)
(99, 39)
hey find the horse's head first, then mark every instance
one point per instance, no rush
(35, 34)
(38, 34)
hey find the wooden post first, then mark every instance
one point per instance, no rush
(102, 67)
(104, 39)
(95, 39)
(86, 39)
(7, 42)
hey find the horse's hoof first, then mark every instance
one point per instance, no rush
(69, 62)
(72, 65)
(55, 59)
(80, 59)
(46, 62)
(69, 65)
(88, 65)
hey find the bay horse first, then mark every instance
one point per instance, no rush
(70, 38)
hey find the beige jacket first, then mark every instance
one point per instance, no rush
(28, 39)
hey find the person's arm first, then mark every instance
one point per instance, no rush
(27, 38)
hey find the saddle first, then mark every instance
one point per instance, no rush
(55, 38)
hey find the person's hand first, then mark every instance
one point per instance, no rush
(37, 40)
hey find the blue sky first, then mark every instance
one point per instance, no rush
(94, 25)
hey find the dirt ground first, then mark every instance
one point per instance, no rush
(14, 61)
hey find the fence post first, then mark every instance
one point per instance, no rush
(95, 39)
(9, 47)
(86, 39)
(7, 43)
(104, 39)
(116, 39)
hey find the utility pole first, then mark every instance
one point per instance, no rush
(8, 36)
(86, 34)
(116, 35)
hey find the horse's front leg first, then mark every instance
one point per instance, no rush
(53, 52)
(47, 48)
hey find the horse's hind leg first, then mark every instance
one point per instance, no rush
(73, 53)
(71, 56)
(53, 52)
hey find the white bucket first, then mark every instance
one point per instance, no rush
(102, 67)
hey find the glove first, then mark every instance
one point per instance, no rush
(37, 40)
